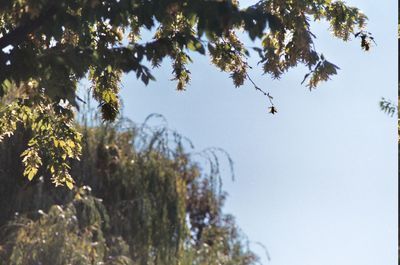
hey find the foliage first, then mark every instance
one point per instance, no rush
(50, 131)
(56, 237)
(46, 47)
(140, 198)
(388, 107)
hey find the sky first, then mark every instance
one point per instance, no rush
(317, 182)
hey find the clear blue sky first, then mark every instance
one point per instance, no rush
(316, 183)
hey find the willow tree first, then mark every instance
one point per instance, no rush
(144, 198)
(47, 46)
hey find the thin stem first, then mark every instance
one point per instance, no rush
(270, 98)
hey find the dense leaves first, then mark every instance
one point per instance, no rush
(51, 45)
(140, 198)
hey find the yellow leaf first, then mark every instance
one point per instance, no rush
(32, 173)
(78, 196)
(24, 153)
(61, 143)
(70, 185)
(71, 143)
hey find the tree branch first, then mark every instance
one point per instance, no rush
(19, 34)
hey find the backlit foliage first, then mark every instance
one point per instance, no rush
(49, 46)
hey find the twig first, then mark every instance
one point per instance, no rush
(270, 98)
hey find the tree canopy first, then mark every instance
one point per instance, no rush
(47, 47)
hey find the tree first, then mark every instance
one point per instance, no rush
(144, 198)
(48, 46)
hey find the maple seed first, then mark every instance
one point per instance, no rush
(272, 110)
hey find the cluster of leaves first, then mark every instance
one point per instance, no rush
(391, 109)
(54, 136)
(139, 198)
(57, 43)
(388, 107)
(321, 72)
(58, 236)
(366, 39)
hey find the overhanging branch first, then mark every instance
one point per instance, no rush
(19, 34)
